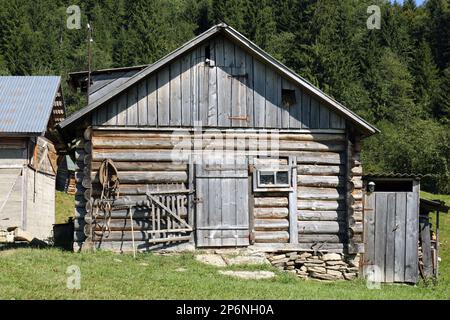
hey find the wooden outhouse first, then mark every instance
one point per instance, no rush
(391, 227)
(30, 107)
(217, 145)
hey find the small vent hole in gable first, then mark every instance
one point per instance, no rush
(288, 97)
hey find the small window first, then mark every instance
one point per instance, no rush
(207, 53)
(273, 179)
(266, 178)
(288, 97)
(282, 177)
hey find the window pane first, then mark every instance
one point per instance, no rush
(266, 178)
(282, 177)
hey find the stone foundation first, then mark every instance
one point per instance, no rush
(323, 266)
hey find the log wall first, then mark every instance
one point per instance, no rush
(354, 196)
(145, 163)
(138, 175)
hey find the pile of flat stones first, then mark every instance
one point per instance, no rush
(322, 266)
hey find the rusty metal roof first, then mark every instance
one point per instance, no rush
(393, 175)
(26, 103)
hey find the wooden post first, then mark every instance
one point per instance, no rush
(426, 246)
(293, 220)
(190, 196)
(132, 231)
(251, 202)
(437, 243)
(24, 197)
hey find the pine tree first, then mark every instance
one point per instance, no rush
(427, 78)
(439, 31)
(442, 99)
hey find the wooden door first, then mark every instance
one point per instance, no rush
(222, 205)
(391, 229)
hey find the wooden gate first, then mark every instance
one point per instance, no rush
(391, 229)
(222, 205)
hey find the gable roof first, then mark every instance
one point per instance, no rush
(26, 103)
(102, 80)
(363, 125)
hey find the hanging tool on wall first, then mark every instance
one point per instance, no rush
(109, 179)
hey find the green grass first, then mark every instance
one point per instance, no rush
(431, 196)
(64, 207)
(41, 274)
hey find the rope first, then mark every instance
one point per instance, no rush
(109, 179)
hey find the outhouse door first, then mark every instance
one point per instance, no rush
(222, 202)
(391, 231)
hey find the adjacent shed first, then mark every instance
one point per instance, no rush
(65, 178)
(160, 129)
(430, 236)
(30, 107)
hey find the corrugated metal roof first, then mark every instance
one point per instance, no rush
(26, 103)
(394, 175)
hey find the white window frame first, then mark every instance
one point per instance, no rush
(275, 184)
(260, 187)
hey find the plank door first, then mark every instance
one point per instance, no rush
(391, 229)
(222, 205)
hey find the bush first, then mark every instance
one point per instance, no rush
(420, 147)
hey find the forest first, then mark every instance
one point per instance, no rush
(396, 76)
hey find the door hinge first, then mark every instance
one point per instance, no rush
(239, 118)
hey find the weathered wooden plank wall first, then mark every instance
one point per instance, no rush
(40, 208)
(392, 234)
(11, 199)
(219, 84)
(13, 153)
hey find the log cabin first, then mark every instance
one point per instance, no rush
(217, 144)
(30, 107)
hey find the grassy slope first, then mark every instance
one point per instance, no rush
(41, 274)
(64, 206)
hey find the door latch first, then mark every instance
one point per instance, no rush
(198, 200)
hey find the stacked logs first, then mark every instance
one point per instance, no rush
(354, 197)
(83, 155)
(321, 197)
(146, 163)
(271, 218)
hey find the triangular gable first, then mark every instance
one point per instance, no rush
(232, 34)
